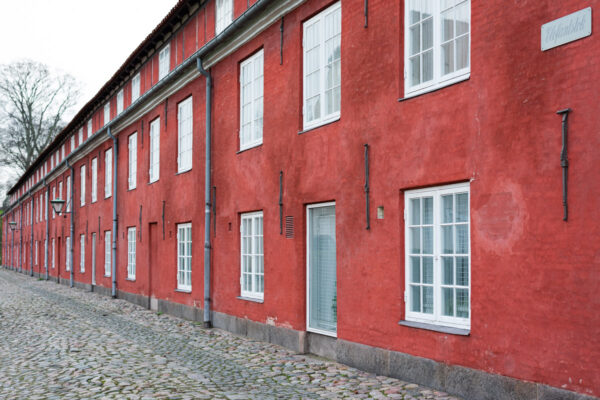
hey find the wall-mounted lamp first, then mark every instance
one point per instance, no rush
(57, 205)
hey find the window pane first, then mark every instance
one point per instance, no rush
(447, 207)
(427, 240)
(462, 18)
(427, 34)
(415, 70)
(448, 58)
(428, 66)
(415, 205)
(462, 52)
(447, 25)
(448, 270)
(415, 275)
(428, 270)
(428, 299)
(447, 240)
(414, 14)
(427, 210)
(415, 234)
(462, 239)
(415, 298)
(462, 303)
(462, 271)
(415, 39)
(462, 207)
(448, 301)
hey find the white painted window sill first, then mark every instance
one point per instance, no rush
(436, 328)
(252, 299)
(435, 88)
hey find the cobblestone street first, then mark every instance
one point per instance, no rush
(66, 343)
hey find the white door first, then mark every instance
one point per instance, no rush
(321, 269)
(93, 259)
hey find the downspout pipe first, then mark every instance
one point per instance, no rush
(21, 240)
(32, 243)
(114, 227)
(72, 225)
(47, 227)
(207, 186)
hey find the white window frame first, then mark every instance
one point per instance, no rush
(108, 164)
(37, 245)
(185, 135)
(436, 317)
(120, 102)
(72, 143)
(68, 197)
(82, 189)
(254, 239)
(164, 61)
(131, 252)
(53, 253)
(107, 253)
(82, 255)
(324, 117)
(251, 83)
(132, 174)
(184, 261)
(60, 190)
(53, 197)
(94, 179)
(223, 15)
(135, 88)
(89, 129)
(67, 252)
(438, 80)
(107, 113)
(62, 151)
(154, 170)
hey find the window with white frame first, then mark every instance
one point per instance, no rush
(62, 151)
(53, 197)
(68, 198)
(322, 67)
(108, 173)
(164, 61)
(107, 253)
(132, 177)
(437, 248)
(89, 128)
(68, 253)
(437, 44)
(154, 170)
(94, 179)
(72, 143)
(224, 15)
(252, 255)
(131, 253)
(60, 186)
(184, 257)
(107, 113)
(251, 101)
(80, 134)
(82, 189)
(82, 255)
(37, 245)
(135, 88)
(53, 253)
(120, 102)
(185, 136)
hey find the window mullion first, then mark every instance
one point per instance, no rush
(437, 264)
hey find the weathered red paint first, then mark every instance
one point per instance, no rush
(534, 277)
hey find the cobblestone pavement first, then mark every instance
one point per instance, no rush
(61, 343)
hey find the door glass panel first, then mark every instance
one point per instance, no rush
(322, 269)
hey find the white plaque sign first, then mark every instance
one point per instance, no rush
(567, 29)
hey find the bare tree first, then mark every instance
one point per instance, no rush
(33, 102)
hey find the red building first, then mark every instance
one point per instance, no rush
(383, 186)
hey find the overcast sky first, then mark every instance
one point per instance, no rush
(88, 39)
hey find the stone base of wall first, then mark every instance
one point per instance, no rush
(468, 383)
